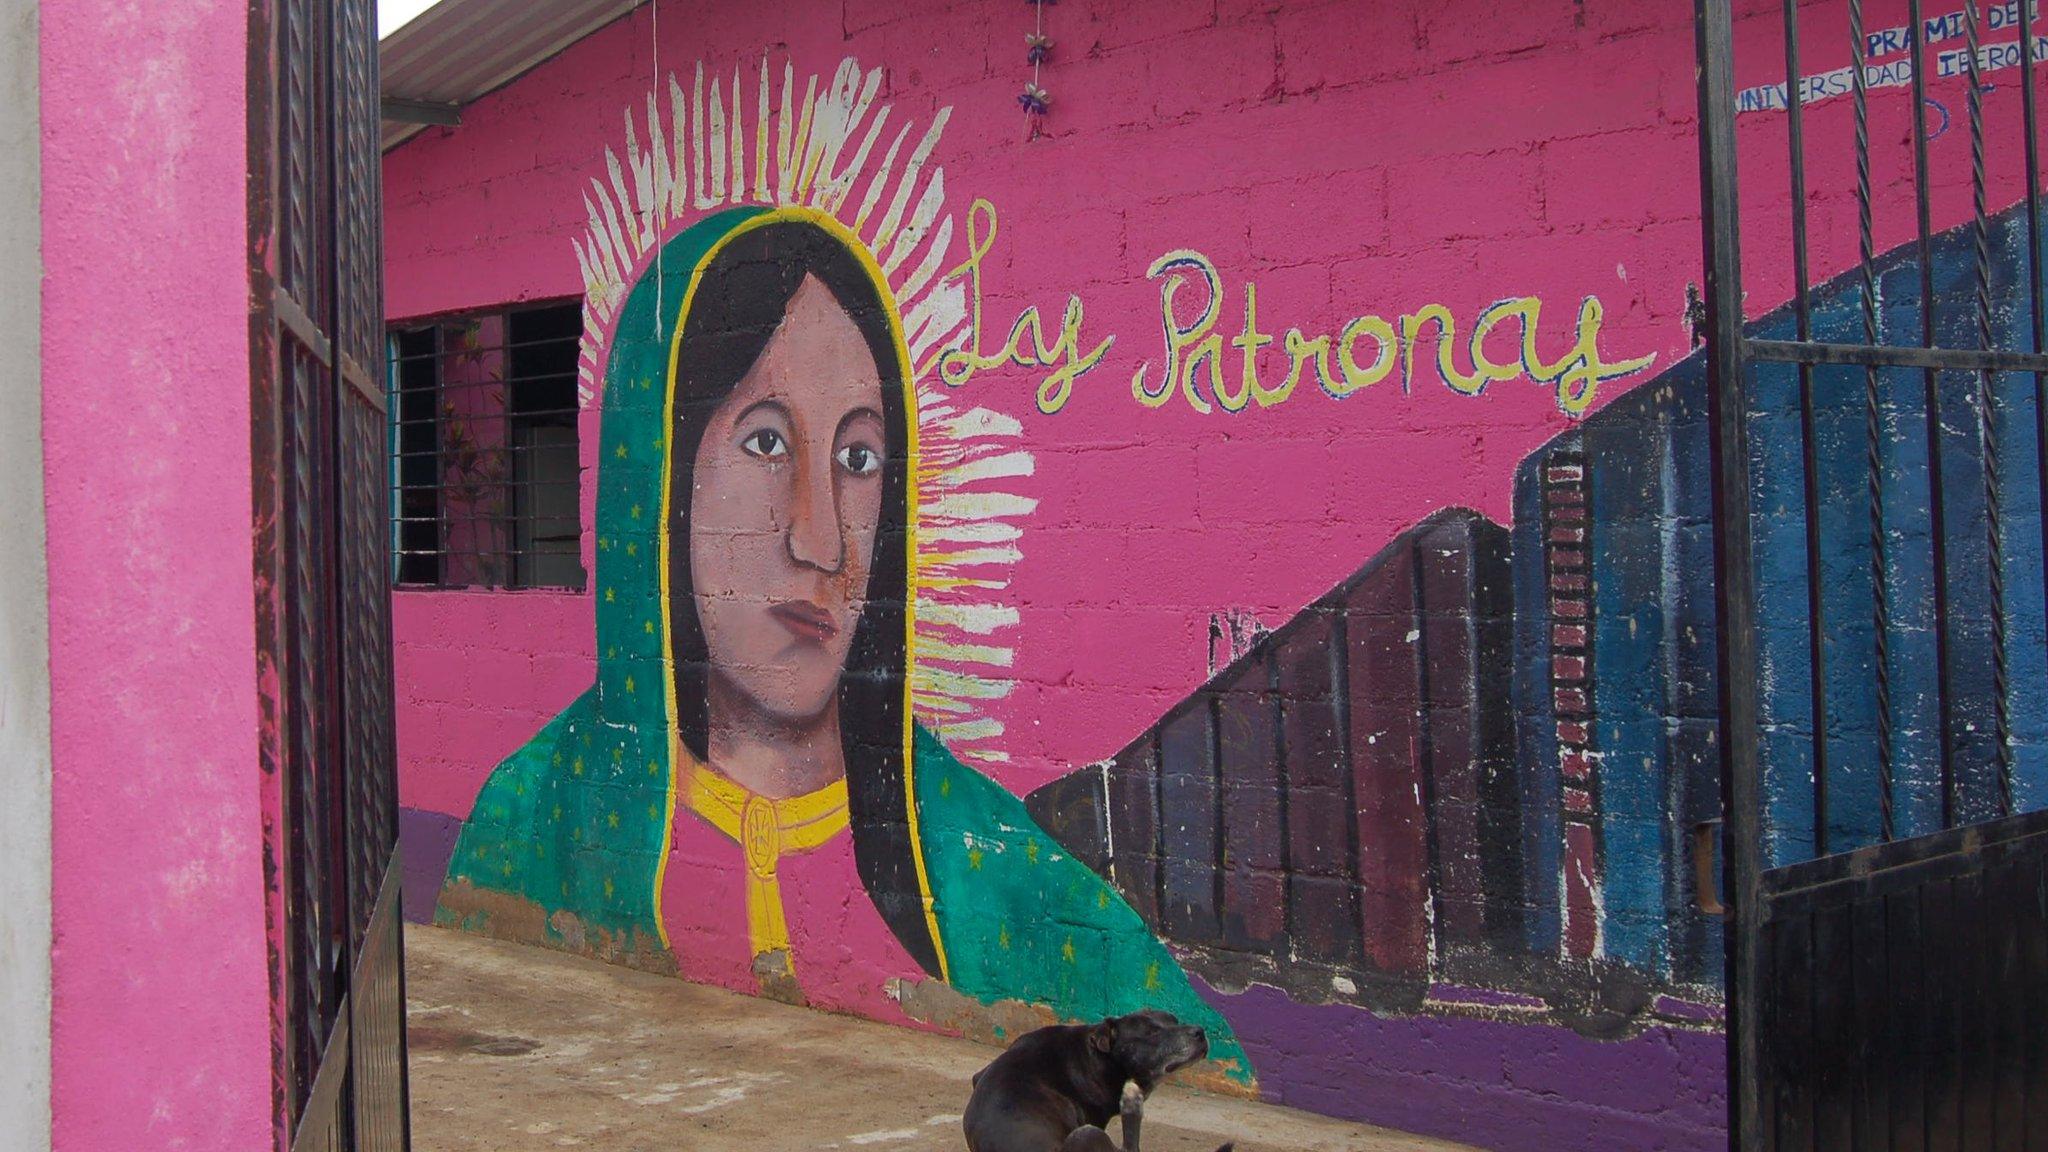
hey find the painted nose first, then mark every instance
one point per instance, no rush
(815, 540)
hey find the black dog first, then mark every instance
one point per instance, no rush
(1055, 1089)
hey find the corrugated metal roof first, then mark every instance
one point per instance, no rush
(461, 50)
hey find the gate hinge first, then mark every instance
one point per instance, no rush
(1707, 891)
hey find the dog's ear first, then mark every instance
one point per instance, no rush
(1102, 1037)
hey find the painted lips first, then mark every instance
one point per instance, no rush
(805, 621)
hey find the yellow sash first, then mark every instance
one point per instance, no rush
(766, 830)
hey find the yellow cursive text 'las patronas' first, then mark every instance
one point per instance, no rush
(1195, 365)
(1195, 349)
(1063, 355)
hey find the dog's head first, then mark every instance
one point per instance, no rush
(1149, 1045)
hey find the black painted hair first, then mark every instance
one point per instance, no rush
(741, 299)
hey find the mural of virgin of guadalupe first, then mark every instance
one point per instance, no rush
(744, 796)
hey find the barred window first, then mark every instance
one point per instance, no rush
(483, 412)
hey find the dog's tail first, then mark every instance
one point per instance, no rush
(1227, 1147)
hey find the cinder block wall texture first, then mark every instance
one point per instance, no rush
(1282, 594)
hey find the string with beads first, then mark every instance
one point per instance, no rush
(654, 83)
(1036, 101)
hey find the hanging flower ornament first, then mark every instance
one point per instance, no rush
(1038, 46)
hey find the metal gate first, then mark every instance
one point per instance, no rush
(1889, 986)
(323, 564)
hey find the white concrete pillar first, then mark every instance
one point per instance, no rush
(24, 609)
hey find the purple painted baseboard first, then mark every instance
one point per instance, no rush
(1512, 1087)
(426, 841)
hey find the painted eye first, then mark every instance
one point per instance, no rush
(767, 444)
(859, 459)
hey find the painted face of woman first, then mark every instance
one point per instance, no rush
(785, 496)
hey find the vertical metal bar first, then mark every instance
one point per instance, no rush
(262, 99)
(1873, 421)
(1734, 596)
(442, 533)
(394, 491)
(2034, 271)
(334, 768)
(1816, 631)
(1987, 420)
(1931, 400)
(1796, 141)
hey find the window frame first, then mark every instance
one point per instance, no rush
(426, 552)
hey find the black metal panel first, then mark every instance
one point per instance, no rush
(324, 1125)
(377, 1008)
(323, 563)
(1871, 1014)
(1906, 1069)
(359, 285)
(315, 869)
(304, 156)
(1903, 1005)
(371, 755)
(1887, 997)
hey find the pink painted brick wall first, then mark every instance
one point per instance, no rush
(161, 1025)
(1347, 158)
(477, 674)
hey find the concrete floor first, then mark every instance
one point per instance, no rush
(517, 1049)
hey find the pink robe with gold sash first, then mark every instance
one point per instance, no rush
(753, 887)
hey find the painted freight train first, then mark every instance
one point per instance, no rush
(1466, 778)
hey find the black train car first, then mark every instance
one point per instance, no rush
(1337, 807)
